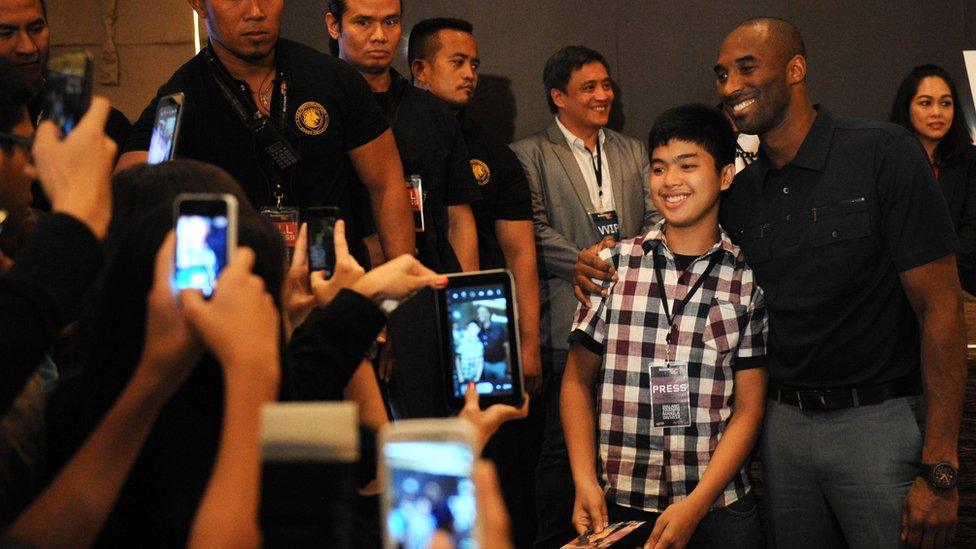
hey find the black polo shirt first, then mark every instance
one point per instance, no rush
(328, 111)
(827, 236)
(429, 140)
(504, 189)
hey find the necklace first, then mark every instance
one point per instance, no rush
(264, 92)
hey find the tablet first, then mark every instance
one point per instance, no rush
(478, 320)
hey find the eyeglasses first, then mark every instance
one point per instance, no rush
(25, 142)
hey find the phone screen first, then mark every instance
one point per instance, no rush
(430, 489)
(321, 246)
(201, 244)
(163, 142)
(67, 89)
(480, 325)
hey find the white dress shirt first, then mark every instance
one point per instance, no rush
(587, 165)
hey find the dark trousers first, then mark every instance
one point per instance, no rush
(553, 479)
(736, 526)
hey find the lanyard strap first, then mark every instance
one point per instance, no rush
(679, 306)
(221, 77)
(598, 165)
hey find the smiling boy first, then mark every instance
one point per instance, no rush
(678, 338)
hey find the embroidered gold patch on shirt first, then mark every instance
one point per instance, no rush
(481, 172)
(312, 118)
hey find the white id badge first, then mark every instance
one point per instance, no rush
(670, 395)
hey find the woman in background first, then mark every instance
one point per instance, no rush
(926, 105)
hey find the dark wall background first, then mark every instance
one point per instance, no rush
(661, 52)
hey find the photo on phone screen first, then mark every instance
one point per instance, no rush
(162, 145)
(67, 89)
(321, 243)
(205, 235)
(479, 332)
(429, 489)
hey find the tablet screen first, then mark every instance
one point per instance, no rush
(479, 327)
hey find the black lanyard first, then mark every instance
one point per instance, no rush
(598, 168)
(679, 306)
(223, 79)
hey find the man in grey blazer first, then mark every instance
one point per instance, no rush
(587, 183)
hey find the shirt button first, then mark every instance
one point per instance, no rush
(834, 234)
(789, 217)
(786, 190)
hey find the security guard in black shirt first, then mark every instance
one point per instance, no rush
(444, 59)
(302, 101)
(366, 34)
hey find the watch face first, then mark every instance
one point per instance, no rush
(944, 475)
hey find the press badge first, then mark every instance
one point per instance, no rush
(286, 221)
(670, 395)
(415, 186)
(606, 224)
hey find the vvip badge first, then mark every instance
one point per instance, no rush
(286, 221)
(606, 224)
(415, 186)
(670, 395)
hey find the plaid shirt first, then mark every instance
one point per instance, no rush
(721, 330)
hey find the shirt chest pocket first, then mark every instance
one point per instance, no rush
(839, 221)
(724, 326)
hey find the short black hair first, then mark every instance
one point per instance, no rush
(14, 96)
(957, 139)
(699, 124)
(560, 67)
(423, 42)
(337, 8)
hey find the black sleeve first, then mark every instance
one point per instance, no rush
(461, 186)
(967, 225)
(514, 201)
(584, 339)
(325, 351)
(364, 119)
(117, 128)
(40, 295)
(141, 132)
(916, 221)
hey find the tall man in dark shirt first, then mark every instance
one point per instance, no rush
(851, 241)
(365, 33)
(319, 105)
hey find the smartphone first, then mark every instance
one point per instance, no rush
(478, 319)
(206, 237)
(321, 246)
(67, 89)
(166, 128)
(425, 469)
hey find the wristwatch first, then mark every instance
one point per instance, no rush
(942, 475)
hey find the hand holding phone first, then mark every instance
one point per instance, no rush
(75, 170)
(206, 236)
